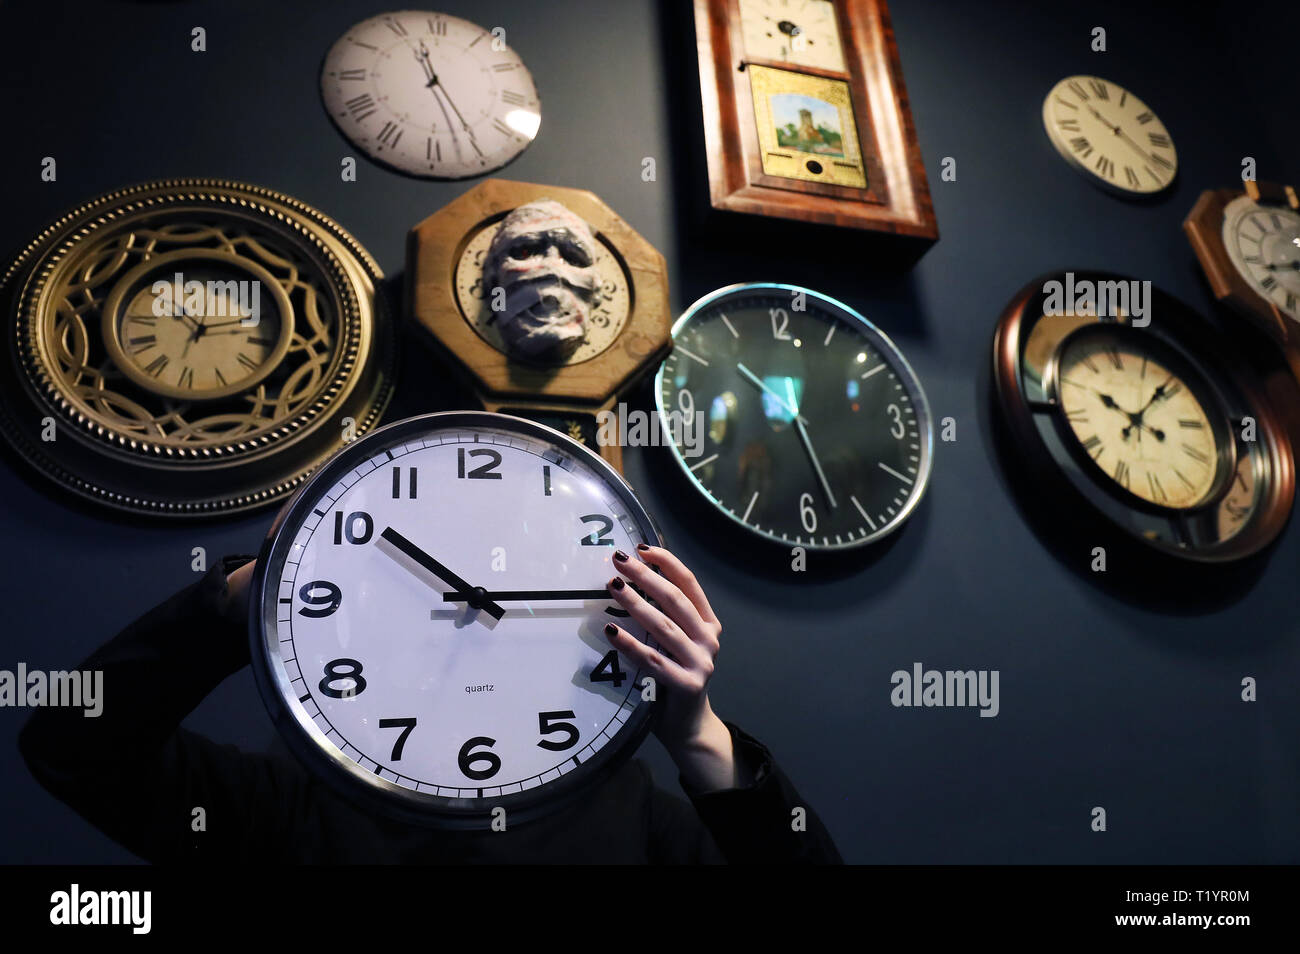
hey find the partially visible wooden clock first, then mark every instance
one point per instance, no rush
(806, 116)
(191, 347)
(1161, 429)
(547, 303)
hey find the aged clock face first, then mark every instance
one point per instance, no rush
(203, 345)
(1105, 131)
(473, 551)
(1161, 430)
(430, 95)
(1157, 432)
(815, 431)
(1263, 244)
(798, 32)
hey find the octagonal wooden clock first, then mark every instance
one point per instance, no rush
(543, 299)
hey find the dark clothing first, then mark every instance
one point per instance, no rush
(138, 777)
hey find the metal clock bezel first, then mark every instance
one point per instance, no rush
(894, 358)
(296, 725)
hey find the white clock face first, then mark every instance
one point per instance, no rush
(1104, 130)
(799, 32)
(434, 610)
(430, 94)
(1263, 242)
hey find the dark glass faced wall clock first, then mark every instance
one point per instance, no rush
(191, 347)
(803, 423)
(1160, 428)
(430, 95)
(427, 620)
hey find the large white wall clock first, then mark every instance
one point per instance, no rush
(430, 95)
(428, 619)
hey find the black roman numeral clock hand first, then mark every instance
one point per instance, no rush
(396, 694)
(803, 422)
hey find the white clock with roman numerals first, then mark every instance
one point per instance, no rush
(428, 619)
(1104, 131)
(430, 95)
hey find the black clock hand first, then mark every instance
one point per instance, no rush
(476, 596)
(512, 595)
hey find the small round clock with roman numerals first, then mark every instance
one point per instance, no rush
(430, 95)
(1107, 133)
(428, 619)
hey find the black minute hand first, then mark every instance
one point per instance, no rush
(511, 595)
(476, 597)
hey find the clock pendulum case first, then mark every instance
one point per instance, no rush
(470, 552)
(1158, 427)
(544, 301)
(191, 347)
(1248, 244)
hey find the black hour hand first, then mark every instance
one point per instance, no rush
(476, 597)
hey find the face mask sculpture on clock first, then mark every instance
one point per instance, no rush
(543, 259)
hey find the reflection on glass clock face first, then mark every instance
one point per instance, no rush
(430, 94)
(1148, 427)
(441, 614)
(800, 32)
(1104, 130)
(204, 342)
(1263, 243)
(816, 432)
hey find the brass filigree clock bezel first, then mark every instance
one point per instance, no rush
(98, 459)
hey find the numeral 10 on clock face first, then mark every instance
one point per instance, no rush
(440, 612)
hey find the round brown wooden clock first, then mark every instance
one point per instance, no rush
(191, 347)
(1118, 395)
(548, 304)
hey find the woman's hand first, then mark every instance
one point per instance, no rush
(686, 631)
(236, 608)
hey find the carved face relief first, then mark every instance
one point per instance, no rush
(543, 258)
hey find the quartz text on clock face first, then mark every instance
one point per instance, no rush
(817, 433)
(1102, 129)
(1263, 243)
(431, 95)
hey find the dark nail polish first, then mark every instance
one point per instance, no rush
(642, 547)
(620, 556)
(617, 583)
(610, 629)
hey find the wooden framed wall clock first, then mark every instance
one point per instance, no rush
(1248, 244)
(806, 116)
(816, 431)
(191, 347)
(543, 299)
(1145, 425)
(481, 684)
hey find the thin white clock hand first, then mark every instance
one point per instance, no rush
(754, 379)
(812, 456)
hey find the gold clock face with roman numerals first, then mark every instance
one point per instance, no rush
(1102, 129)
(1144, 425)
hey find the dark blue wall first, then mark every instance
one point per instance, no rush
(1105, 701)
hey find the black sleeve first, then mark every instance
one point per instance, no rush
(765, 822)
(140, 778)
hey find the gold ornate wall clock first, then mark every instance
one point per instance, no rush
(806, 116)
(1109, 135)
(547, 303)
(190, 347)
(1144, 424)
